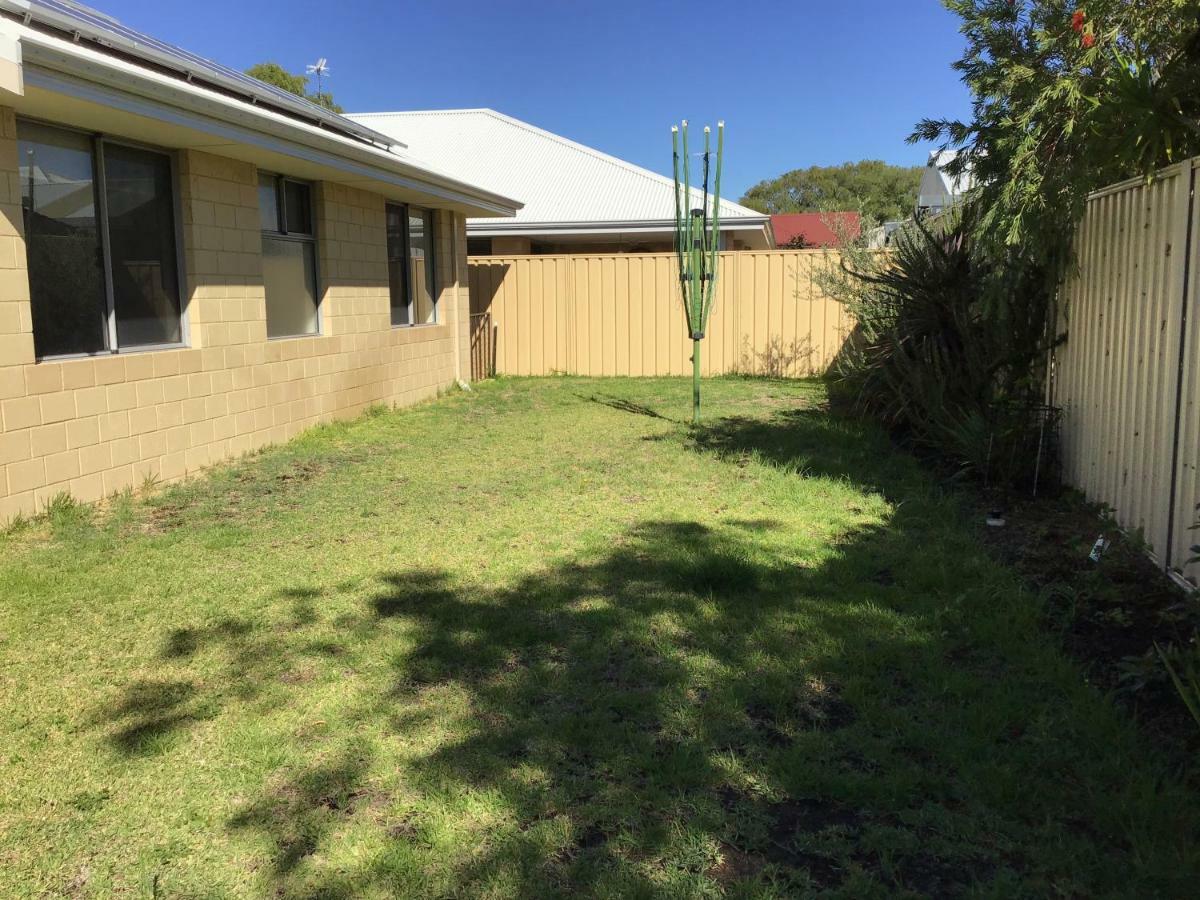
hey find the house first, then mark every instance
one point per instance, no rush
(939, 190)
(815, 229)
(194, 264)
(881, 235)
(577, 199)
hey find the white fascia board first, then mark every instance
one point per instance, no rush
(79, 72)
(12, 72)
(489, 228)
(211, 72)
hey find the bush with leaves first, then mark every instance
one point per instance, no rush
(933, 361)
(1067, 97)
(955, 326)
(274, 74)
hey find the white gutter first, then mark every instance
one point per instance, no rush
(489, 228)
(12, 77)
(92, 25)
(63, 67)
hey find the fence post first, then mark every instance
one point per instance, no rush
(1173, 503)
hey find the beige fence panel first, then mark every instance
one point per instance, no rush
(620, 314)
(1118, 376)
(1187, 457)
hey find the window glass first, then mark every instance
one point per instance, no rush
(141, 238)
(291, 287)
(397, 277)
(421, 269)
(298, 207)
(268, 202)
(62, 238)
(289, 257)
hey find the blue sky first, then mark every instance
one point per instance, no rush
(798, 83)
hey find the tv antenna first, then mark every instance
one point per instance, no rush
(320, 68)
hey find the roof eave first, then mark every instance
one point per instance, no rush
(608, 226)
(57, 65)
(52, 20)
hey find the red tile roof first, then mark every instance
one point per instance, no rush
(818, 229)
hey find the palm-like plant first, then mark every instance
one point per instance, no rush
(933, 360)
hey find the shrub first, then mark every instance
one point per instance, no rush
(935, 363)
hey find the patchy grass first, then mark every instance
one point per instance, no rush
(544, 639)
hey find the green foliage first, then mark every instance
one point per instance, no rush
(275, 74)
(67, 516)
(325, 99)
(1184, 668)
(798, 242)
(1067, 98)
(879, 191)
(932, 361)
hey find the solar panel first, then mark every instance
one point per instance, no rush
(93, 25)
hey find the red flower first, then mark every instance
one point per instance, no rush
(1077, 20)
(1088, 40)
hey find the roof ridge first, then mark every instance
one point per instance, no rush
(600, 155)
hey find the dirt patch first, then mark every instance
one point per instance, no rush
(1109, 614)
(823, 708)
(822, 841)
(734, 864)
(163, 517)
(791, 826)
(298, 676)
(818, 706)
(404, 830)
(765, 724)
(299, 473)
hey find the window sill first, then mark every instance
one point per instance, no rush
(294, 337)
(105, 354)
(414, 327)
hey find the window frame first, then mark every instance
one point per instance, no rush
(97, 140)
(406, 263)
(282, 234)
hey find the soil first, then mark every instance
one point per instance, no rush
(1108, 614)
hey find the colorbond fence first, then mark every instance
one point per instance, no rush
(620, 314)
(1128, 377)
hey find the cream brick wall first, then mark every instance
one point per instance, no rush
(94, 426)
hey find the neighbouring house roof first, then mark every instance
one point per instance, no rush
(938, 189)
(78, 63)
(817, 229)
(567, 188)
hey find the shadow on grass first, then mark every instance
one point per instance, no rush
(698, 709)
(622, 404)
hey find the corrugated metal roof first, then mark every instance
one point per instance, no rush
(558, 180)
(104, 31)
(67, 49)
(817, 229)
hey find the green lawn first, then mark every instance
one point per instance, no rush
(544, 639)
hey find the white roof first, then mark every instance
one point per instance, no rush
(939, 189)
(110, 81)
(564, 185)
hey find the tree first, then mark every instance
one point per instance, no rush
(275, 74)
(325, 99)
(1067, 98)
(956, 323)
(879, 191)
